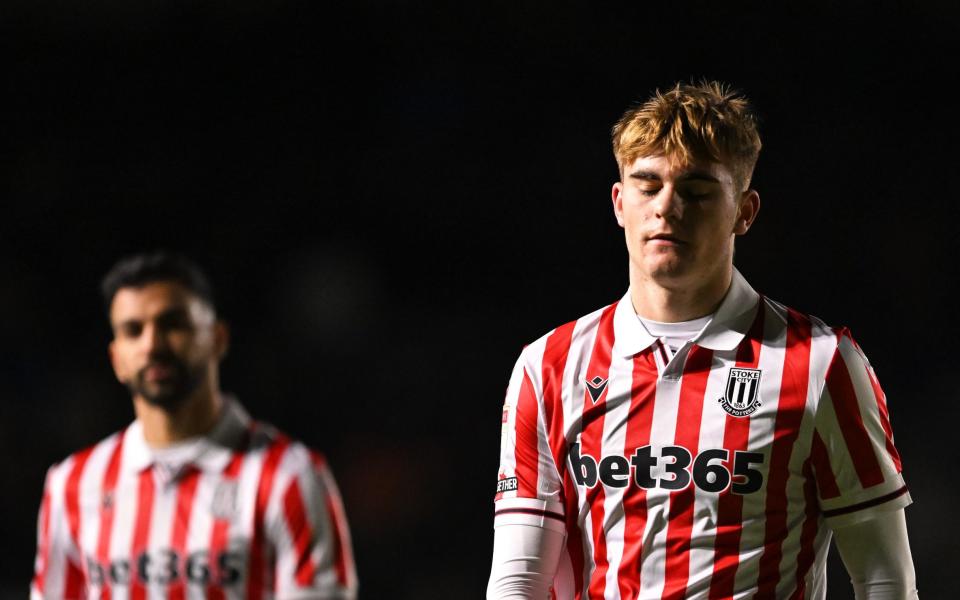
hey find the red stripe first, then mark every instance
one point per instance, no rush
(76, 582)
(219, 534)
(736, 436)
(884, 418)
(43, 547)
(808, 532)
(107, 511)
(527, 448)
(591, 440)
(72, 494)
(301, 533)
(680, 522)
(186, 489)
(790, 409)
(341, 549)
(554, 362)
(866, 504)
(643, 393)
(342, 552)
(821, 467)
(256, 569)
(847, 409)
(141, 531)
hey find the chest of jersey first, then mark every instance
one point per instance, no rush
(700, 423)
(183, 533)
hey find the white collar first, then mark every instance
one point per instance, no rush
(724, 332)
(213, 450)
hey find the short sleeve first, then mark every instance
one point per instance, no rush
(857, 466)
(57, 572)
(528, 482)
(310, 534)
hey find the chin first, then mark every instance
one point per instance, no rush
(666, 269)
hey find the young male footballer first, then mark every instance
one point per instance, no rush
(194, 499)
(695, 440)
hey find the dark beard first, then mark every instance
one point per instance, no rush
(171, 394)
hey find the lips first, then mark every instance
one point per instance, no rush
(665, 238)
(159, 372)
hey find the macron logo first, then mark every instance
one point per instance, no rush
(595, 387)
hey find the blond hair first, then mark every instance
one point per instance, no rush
(703, 121)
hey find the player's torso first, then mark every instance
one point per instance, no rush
(149, 536)
(676, 461)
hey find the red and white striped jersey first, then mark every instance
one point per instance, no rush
(253, 514)
(716, 472)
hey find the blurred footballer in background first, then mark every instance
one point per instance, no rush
(193, 499)
(695, 439)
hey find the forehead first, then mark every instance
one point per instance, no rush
(150, 300)
(670, 168)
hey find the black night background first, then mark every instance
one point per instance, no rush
(392, 198)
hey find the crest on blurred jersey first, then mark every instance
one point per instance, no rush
(224, 504)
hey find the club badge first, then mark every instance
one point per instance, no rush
(224, 504)
(741, 397)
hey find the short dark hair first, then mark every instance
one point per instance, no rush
(148, 267)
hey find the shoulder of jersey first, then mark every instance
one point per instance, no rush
(82, 453)
(579, 327)
(818, 328)
(297, 455)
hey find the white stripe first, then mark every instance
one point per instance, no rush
(200, 528)
(573, 392)
(712, 427)
(125, 500)
(760, 439)
(662, 433)
(619, 384)
(90, 485)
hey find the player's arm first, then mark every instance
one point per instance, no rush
(529, 527)
(858, 474)
(525, 560)
(876, 553)
(57, 569)
(308, 529)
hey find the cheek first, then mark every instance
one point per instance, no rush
(120, 359)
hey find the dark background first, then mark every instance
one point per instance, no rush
(392, 198)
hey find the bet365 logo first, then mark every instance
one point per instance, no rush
(707, 471)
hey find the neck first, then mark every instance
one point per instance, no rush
(196, 416)
(673, 303)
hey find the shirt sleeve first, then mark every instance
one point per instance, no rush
(876, 553)
(57, 571)
(528, 483)
(857, 466)
(308, 530)
(525, 561)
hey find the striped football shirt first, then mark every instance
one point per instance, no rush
(250, 514)
(716, 471)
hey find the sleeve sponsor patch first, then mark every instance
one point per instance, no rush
(507, 485)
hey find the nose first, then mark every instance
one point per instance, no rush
(154, 338)
(668, 204)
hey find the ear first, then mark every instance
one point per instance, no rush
(747, 212)
(221, 338)
(616, 195)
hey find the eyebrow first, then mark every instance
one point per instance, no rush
(693, 175)
(171, 312)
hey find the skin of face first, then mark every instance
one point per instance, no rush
(680, 221)
(167, 342)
